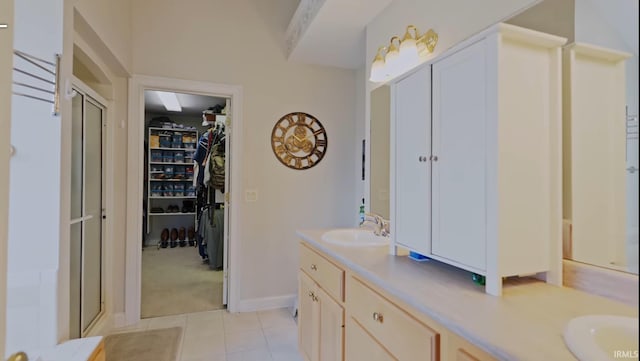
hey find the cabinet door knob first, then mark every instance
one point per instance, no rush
(311, 294)
(377, 317)
(420, 158)
(314, 267)
(435, 158)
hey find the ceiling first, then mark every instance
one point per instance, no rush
(192, 104)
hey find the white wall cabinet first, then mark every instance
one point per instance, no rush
(486, 117)
(460, 156)
(412, 184)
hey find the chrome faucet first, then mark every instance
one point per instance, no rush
(381, 226)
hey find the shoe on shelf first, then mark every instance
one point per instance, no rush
(191, 235)
(174, 238)
(182, 236)
(164, 238)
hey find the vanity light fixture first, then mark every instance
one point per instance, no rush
(170, 101)
(378, 66)
(402, 55)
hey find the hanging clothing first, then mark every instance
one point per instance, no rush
(211, 229)
(200, 155)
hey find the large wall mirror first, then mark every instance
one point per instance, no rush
(600, 163)
(612, 25)
(379, 137)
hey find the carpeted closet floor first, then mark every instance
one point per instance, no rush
(174, 281)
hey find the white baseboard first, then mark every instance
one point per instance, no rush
(266, 303)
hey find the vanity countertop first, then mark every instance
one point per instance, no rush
(525, 323)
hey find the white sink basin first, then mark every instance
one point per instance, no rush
(354, 237)
(602, 337)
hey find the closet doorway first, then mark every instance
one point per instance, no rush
(87, 212)
(185, 215)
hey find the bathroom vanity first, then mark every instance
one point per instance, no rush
(361, 303)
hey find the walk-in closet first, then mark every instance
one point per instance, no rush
(183, 226)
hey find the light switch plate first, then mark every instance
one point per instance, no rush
(251, 195)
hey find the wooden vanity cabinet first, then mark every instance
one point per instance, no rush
(360, 321)
(99, 353)
(360, 345)
(320, 314)
(459, 349)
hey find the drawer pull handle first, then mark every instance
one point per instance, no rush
(314, 267)
(377, 317)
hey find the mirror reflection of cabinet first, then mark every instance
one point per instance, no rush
(480, 189)
(379, 151)
(594, 154)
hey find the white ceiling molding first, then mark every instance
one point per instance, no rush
(331, 32)
(306, 11)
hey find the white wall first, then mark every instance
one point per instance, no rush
(242, 43)
(34, 197)
(110, 20)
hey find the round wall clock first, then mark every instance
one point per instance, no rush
(299, 140)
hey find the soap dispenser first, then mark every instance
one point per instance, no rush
(362, 212)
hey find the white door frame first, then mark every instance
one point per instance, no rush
(6, 74)
(135, 168)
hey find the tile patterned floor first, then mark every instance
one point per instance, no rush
(221, 336)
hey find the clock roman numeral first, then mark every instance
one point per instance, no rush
(298, 163)
(287, 158)
(310, 161)
(280, 149)
(321, 143)
(318, 132)
(278, 139)
(317, 153)
(289, 119)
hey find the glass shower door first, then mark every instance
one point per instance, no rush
(86, 213)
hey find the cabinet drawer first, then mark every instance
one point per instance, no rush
(461, 350)
(360, 346)
(404, 336)
(326, 274)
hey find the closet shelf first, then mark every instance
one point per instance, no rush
(171, 197)
(172, 180)
(181, 149)
(173, 214)
(168, 163)
(174, 129)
